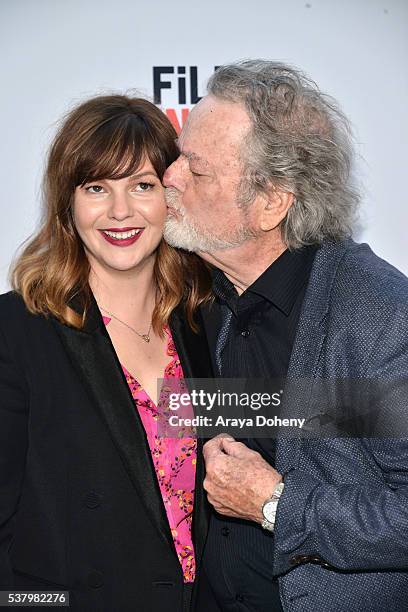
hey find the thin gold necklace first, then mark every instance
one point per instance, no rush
(145, 337)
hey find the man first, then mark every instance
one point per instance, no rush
(262, 191)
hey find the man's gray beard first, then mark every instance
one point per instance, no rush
(184, 234)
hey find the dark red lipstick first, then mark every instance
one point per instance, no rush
(122, 242)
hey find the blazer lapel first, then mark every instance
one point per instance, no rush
(195, 359)
(94, 358)
(306, 351)
(192, 347)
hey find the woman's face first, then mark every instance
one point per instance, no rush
(120, 222)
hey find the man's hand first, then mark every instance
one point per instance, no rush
(238, 479)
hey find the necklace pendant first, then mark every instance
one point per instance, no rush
(145, 337)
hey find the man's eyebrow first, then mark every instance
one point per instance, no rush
(190, 155)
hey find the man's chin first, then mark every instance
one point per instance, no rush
(176, 235)
(180, 234)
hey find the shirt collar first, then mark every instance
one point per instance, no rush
(280, 283)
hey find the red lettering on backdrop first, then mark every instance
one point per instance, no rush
(172, 115)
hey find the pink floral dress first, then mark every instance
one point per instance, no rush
(174, 461)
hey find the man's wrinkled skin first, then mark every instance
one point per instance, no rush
(238, 480)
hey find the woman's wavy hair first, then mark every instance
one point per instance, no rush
(106, 137)
(300, 141)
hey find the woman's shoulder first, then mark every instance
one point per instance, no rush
(12, 304)
(21, 329)
(14, 314)
(14, 317)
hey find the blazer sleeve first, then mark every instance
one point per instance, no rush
(13, 448)
(357, 526)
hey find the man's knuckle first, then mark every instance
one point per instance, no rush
(209, 471)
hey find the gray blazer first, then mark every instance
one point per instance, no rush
(341, 533)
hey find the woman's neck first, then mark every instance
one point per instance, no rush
(129, 295)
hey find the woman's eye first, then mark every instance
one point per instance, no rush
(94, 189)
(144, 186)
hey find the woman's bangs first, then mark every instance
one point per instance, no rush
(115, 151)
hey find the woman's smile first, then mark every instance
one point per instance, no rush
(122, 237)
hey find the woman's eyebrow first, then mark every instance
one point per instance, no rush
(141, 174)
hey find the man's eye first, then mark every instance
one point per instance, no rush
(196, 173)
(94, 189)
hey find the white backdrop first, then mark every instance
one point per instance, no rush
(57, 52)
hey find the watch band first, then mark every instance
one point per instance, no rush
(270, 506)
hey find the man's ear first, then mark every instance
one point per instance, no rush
(275, 206)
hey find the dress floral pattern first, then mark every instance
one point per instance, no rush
(174, 459)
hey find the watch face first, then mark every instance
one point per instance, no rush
(269, 510)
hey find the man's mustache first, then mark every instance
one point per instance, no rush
(172, 199)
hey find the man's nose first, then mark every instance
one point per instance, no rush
(174, 175)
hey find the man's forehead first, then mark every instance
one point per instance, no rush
(221, 115)
(213, 126)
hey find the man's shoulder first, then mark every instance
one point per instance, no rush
(363, 307)
(364, 277)
(364, 261)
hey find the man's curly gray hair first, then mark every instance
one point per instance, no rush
(300, 141)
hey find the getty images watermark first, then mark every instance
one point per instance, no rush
(201, 400)
(207, 407)
(269, 408)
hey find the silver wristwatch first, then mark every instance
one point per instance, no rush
(270, 506)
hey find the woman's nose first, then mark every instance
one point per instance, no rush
(120, 207)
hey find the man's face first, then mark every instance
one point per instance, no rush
(202, 184)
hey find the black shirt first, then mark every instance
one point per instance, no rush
(259, 330)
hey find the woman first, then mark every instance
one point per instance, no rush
(92, 499)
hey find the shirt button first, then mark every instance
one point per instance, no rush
(245, 333)
(239, 598)
(95, 579)
(225, 531)
(92, 499)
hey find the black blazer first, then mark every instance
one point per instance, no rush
(80, 506)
